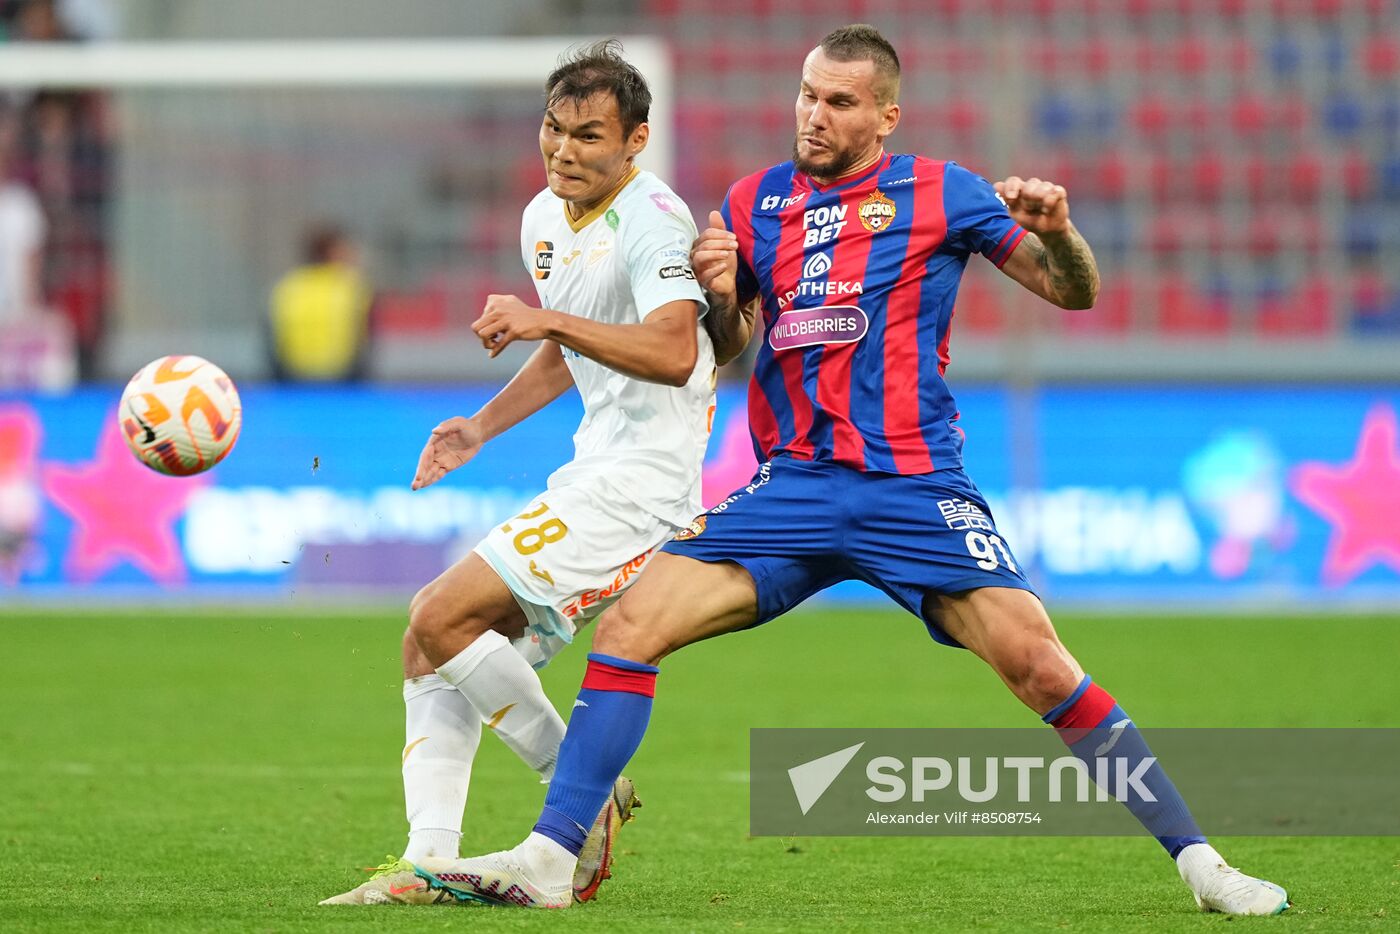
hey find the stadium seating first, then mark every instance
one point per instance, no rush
(1201, 140)
(1247, 140)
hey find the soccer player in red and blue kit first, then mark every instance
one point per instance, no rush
(853, 255)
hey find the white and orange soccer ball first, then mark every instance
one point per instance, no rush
(180, 415)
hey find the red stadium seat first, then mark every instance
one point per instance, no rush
(1358, 176)
(1304, 177)
(1239, 55)
(1197, 117)
(1112, 312)
(1166, 235)
(1192, 55)
(1108, 178)
(978, 309)
(1306, 309)
(1323, 9)
(1182, 309)
(1250, 115)
(1264, 236)
(1207, 176)
(1262, 180)
(1152, 116)
(1381, 57)
(1097, 58)
(416, 312)
(1164, 173)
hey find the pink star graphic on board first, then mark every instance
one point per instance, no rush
(121, 511)
(733, 466)
(1361, 499)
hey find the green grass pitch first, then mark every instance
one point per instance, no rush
(204, 771)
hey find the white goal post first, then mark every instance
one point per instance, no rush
(503, 62)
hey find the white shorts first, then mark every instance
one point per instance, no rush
(568, 556)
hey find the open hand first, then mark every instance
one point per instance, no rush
(451, 445)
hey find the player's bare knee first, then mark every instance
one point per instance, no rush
(1049, 678)
(623, 633)
(435, 616)
(415, 663)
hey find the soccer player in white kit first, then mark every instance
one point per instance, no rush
(609, 249)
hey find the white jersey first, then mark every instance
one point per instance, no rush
(618, 264)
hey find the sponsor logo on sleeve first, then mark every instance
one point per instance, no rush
(778, 202)
(803, 327)
(663, 202)
(544, 259)
(676, 272)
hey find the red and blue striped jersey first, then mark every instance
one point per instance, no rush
(857, 281)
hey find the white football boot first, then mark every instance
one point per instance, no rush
(400, 882)
(1220, 887)
(520, 878)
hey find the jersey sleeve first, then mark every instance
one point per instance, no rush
(978, 221)
(746, 283)
(657, 244)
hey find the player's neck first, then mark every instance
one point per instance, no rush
(578, 209)
(864, 166)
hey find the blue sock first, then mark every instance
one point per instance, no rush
(605, 729)
(1092, 725)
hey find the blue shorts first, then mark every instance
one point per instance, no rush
(799, 527)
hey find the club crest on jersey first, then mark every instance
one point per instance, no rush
(694, 529)
(544, 259)
(876, 212)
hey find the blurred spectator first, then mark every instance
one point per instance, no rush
(22, 232)
(64, 154)
(36, 345)
(320, 312)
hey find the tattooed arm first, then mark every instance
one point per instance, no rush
(1052, 260)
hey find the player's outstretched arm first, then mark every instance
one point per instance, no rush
(715, 259)
(542, 379)
(662, 349)
(1053, 260)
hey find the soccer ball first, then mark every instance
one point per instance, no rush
(180, 415)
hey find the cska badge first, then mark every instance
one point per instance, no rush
(876, 212)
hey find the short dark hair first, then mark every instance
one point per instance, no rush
(599, 68)
(861, 42)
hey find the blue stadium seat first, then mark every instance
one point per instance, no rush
(1389, 173)
(1054, 116)
(1285, 56)
(1361, 235)
(1343, 114)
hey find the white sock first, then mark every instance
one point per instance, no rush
(508, 695)
(551, 866)
(441, 734)
(1196, 861)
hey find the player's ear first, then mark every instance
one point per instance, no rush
(889, 119)
(638, 140)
